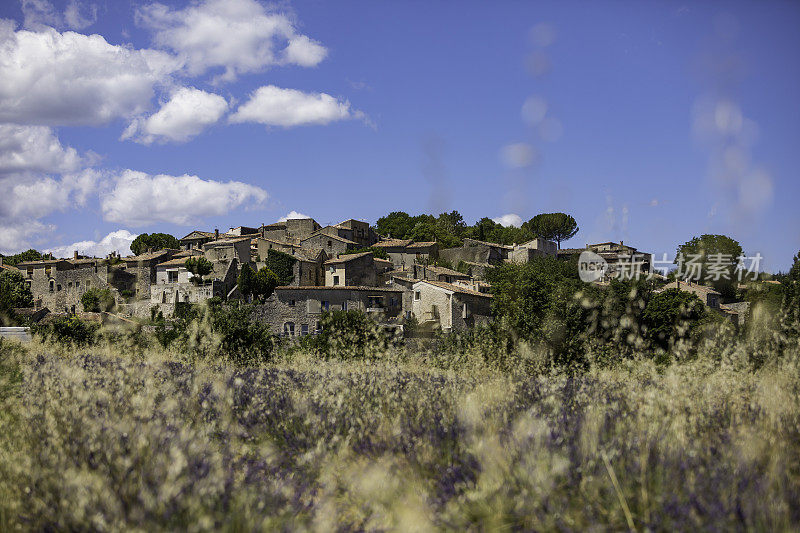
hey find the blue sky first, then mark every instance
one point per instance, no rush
(650, 122)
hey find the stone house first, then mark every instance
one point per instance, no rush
(242, 231)
(437, 273)
(174, 284)
(308, 268)
(338, 231)
(707, 295)
(223, 250)
(618, 256)
(523, 253)
(363, 233)
(447, 307)
(143, 268)
(292, 230)
(196, 239)
(403, 252)
(351, 270)
(333, 245)
(474, 251)
(296, 311)
(59, 284)
(263, 246)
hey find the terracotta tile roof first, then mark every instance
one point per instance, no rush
(393, 243)
(446, 271)
(41, 262)
(275, 241)
(227, 241)
(188, 253)
(200, 235)
(345, 258)
(148, 256)
(383, 261)
(426, 244)
(455, 288)
(339, 288)
(180, 261)
(334, 237)
(10, 268)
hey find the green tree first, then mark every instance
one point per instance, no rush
(790, 307)
(553, 226)
(265, 282)
(246, 281)
(154, 241)
(14, 292)
(282, 264)
(28, 255)
(670, 316)
(199, 267)
(347, 335)
(97, 300)
(397, 224)
(716, 256)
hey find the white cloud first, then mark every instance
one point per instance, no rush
(292, 215)
(40, 13)
(517, 155)
(138, 199)
(275, 106)
(240, 36)
(52, 78)
(117, 241)
(16, 235)
(511, 219)
(25, 198)
(188, 112)
(35, 149)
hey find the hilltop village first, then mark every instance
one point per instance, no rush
(346, 266)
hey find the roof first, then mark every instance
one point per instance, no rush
(446, 271)
(385, 261)
(9, 267)
(426, 244)
(306, 255)
(454, 288)
(684, 285)
(486, 243)
(188, 253)
(275, 225)
(275, 241)
(346, 258)
(199, 235)
(148, 256)
(334, 237)
(392, 243)
(180, 261)
(568, 251)
(40, 262)
(227, 240)
(338, 288)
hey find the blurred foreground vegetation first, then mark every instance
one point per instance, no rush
(580, 408)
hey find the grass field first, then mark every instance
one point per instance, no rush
(101, 439)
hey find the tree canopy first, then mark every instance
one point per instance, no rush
(153, 241)
(14, 292)
(27, 255)
(715, 257)
(553, 227)
(199, 267)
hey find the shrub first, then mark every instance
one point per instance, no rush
(97, 300)
(67, 330)
(671, 315)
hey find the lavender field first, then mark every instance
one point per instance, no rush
(101, 439)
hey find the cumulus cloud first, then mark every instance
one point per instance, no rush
(240, 36)
(26, 149)
(187, 113)
(117, 241)
(511, 219)
(25, 198)
(517, 155)
(274, 106)
(41, 13)
(138, 199)
(51, 78)
(15, 236)
(292, 215)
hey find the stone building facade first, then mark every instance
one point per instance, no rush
(333, 245)
(296, 311)
(351, 270)
(143, 268)
(474, 251)
(448, 307)
(363, 233)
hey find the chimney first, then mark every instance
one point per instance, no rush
(216, 233)
(620, 243)
(75, 254)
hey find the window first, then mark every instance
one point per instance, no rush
(335, 280)
(172, 276)
(465, 311)
(417, 295)
(325, 304)
(291, 303)
(52, 285)
(330, 244)
(69, 285)
(374, 302)
(344, 305)
(58, 287)
(288, 329)
(88, 284)
(77, 285)
(304, 329)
